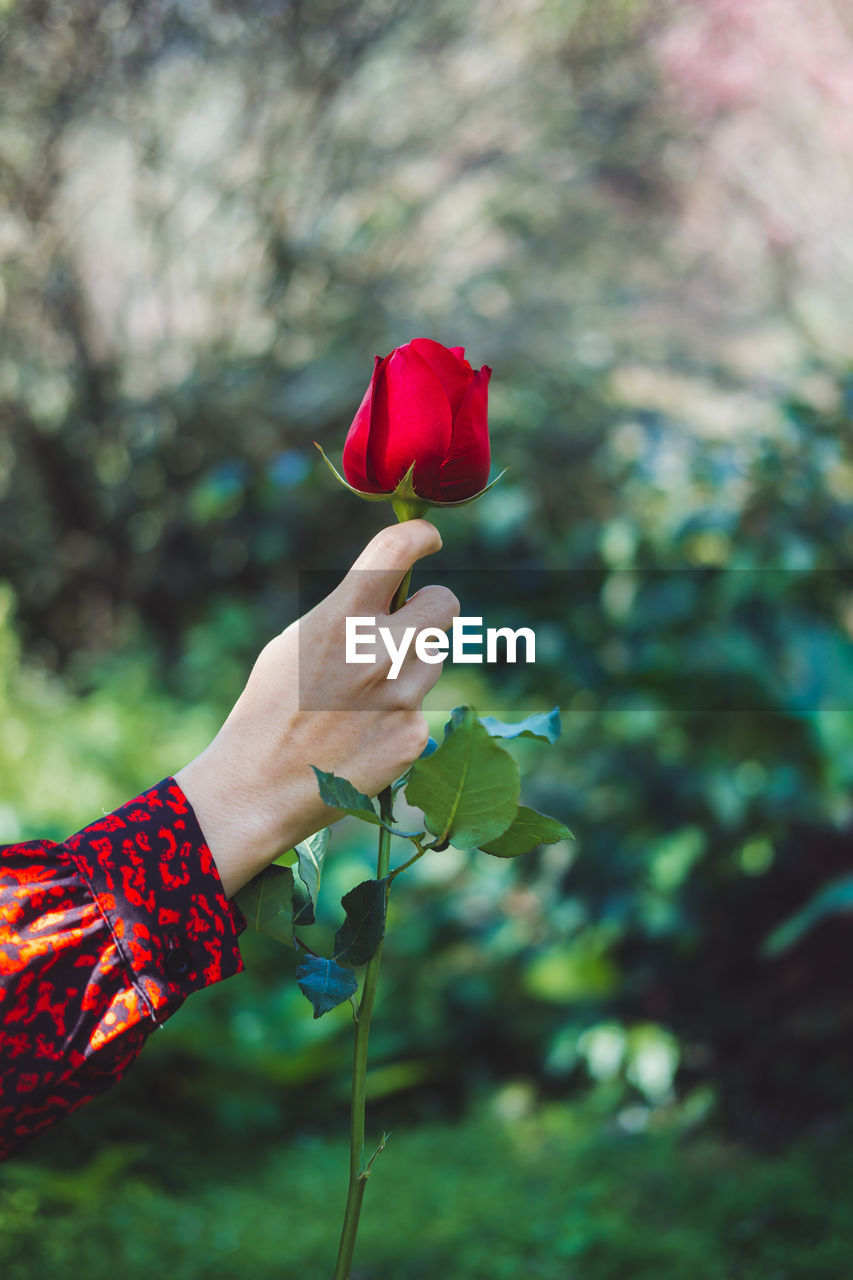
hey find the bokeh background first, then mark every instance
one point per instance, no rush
(628, 1054)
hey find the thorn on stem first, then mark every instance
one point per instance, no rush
(364, 1174)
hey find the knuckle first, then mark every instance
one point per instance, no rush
(451, 602)
(417, 735)
(406, 540)
(400, 695)
(375, 680)
(269, 657)
(387, 542)
(430, 676)
(441, 602)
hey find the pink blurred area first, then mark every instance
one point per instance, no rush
(738, 54)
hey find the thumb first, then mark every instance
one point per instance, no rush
(371, 582)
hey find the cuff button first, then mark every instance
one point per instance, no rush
(178, 962)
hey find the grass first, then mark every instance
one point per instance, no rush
(549, 1195)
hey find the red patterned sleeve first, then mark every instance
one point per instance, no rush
(102, 938)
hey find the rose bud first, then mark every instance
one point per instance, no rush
(421, 433)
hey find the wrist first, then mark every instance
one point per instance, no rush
(234, 818)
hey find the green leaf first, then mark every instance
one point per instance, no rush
(528, 830)
(364, 928)
(834, 898)
(309, 855)
(325, 983)
(468, 788)
(458, 716)
(341, 794)
(542, 724)
(266, 902)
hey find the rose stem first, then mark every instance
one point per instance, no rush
(402, 593)
(359, 1171)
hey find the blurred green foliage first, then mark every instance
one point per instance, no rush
(214, 214)
(507, 1193)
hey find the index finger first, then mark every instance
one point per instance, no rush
(379, 569)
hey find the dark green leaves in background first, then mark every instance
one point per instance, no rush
(833, 899)
(675, 404)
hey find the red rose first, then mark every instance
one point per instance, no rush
(425, 406)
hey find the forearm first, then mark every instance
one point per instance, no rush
(102, 938)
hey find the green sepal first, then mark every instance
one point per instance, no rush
(463, 502)
(325, 983)
(411, 504)
(528, 830)
(364, 928)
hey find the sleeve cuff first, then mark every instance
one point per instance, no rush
(154, 880)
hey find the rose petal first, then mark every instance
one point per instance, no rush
(411, 422)
(466, 469)
(453, 370)
(355, 461)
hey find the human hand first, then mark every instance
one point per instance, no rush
(252, 788)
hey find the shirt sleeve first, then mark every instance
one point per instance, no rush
(102, 938)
